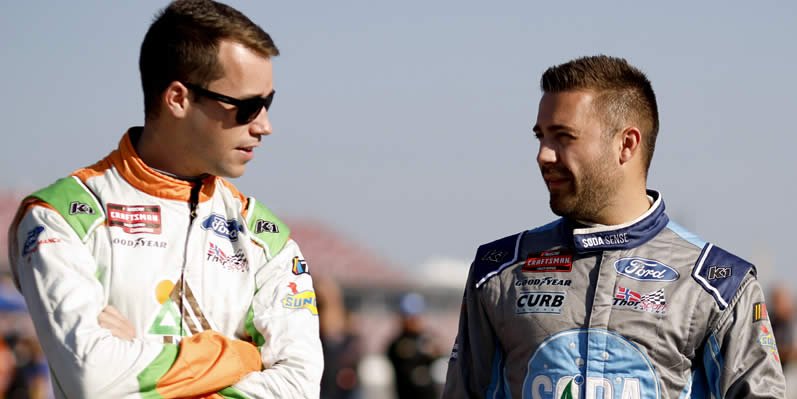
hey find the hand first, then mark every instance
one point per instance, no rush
(120, 327)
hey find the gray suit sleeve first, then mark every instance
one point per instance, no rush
(470, 369)
(740, 355)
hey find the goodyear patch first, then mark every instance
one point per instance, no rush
(760, 312)
(300, 266)
(304, 299)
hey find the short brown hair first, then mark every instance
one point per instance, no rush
(182, 45)
(624, 94)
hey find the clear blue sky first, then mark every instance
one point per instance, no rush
(407, 125)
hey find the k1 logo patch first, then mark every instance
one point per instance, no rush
(263, 226)
(76, 207)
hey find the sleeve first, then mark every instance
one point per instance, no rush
(476, 350)
(740, 356)
(56, 274)
(283, 322)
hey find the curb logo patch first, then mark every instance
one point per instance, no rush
(540, 302)
(642, 269)
(76, 207)
(549, 261)
(135, 219)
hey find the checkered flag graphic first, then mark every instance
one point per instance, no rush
(656, 297)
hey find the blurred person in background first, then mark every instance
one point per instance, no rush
(340, 341)
(612, 299)
(413, 351)
(781, 315)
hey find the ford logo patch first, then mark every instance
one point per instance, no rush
(645, 269)
(223, 227)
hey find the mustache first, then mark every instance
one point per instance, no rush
(555, 171)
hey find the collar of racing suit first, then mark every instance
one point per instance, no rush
(621, 236)
(133, 169)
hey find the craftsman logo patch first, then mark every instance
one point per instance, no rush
(263, 226)
(645, 270)
(549, 261)
(301, 300)
(717, 272)
(225, 228)
(76, 207)
(653, 302)
(135, 219)
(540, 302)
(299, 266)
(760, 312)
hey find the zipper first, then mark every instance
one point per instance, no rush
(193, 203)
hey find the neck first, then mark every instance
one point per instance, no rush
(161, 151)
(625, 207)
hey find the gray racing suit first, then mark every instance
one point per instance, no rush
(639, 310)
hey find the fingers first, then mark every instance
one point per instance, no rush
(120, 327)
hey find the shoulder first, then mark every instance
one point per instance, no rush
(721, 273)
(265, 228)
(495, 256)
(73, 200)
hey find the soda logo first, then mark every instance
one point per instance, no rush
(645, 270)
(543, 384)
(222, 227)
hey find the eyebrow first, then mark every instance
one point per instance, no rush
(554, 127)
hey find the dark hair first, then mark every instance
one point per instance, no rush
(182, 45)
(623, 94)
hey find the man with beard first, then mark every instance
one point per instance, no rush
(614, 299)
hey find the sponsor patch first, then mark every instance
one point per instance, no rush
(300, 266)
(768, 342)
(236, 262)
(542, 282)
(760, 312)
(135, 219)
(454, 352)
(608, 239)
(540, 302)
(263, 226)
(653, 302)
(495, 255)
(301, 300)
(225, 228)
(549, 261)
(76, 207)
(139, 243)
(718, 272)
(32, 241)
(642, 269)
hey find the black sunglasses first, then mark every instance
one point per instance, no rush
(248, 109)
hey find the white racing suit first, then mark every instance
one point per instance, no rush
(220, 296)
(640, 310)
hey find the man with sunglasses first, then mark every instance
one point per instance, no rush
(147, 274)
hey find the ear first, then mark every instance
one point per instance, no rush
(175, 99)
(630, 143)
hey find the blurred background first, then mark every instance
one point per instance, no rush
(402, 140)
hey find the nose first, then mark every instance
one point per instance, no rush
(546, 154)
(261, 125)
